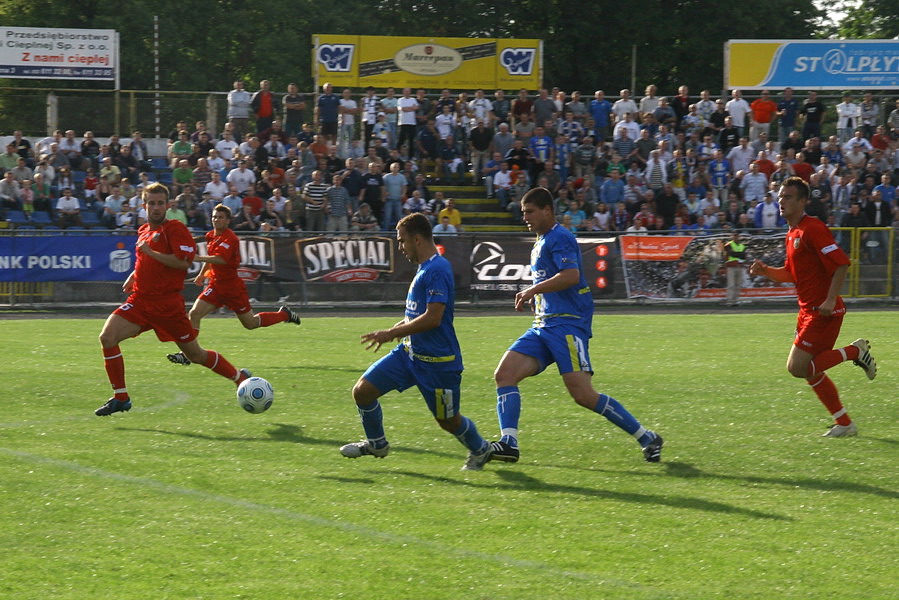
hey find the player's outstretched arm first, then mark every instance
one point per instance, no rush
(779, 274)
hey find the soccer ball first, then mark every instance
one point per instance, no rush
(255, 395)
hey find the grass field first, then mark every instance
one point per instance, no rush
(188, 497)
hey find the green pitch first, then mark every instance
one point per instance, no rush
(186, 496)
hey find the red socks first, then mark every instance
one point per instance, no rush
(829, 397)
(272, 318)
(115, 371)
(219, 364)
(831, 358)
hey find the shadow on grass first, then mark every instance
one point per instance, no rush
(518, 481)
(688, 471)
(280, 432)
(684, 470)
(363, 480)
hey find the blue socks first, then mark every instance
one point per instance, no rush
(617, 414)
(508, 410)
(373, 423)
(469, 436)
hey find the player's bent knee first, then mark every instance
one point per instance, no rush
(450, 425)
(799, 371)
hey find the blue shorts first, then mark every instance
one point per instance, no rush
(568, 347)
(396, 371)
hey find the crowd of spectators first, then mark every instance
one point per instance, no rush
(681, 163)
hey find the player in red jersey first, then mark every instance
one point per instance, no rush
(817, 265)
(225, 287)
(165, 250)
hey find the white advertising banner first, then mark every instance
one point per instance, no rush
(56, 53)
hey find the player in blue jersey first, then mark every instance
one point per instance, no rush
(562, 328)
(428, 355)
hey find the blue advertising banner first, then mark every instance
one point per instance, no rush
(66, 258)
(812, 64)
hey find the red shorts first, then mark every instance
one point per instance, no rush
(234, 296)
(163, 314)
(815, 333)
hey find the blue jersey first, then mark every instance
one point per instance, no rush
(718, 171)
(555, 251)
(436, 348)
(540, 147)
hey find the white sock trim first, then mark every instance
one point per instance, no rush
(111, 357)
(842, 352)
(639, 433)
(120, 391)
(839, 413)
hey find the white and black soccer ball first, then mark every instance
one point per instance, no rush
(255, 395)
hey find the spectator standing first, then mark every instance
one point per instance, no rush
(327, 111)
(338, 200)
(370, 108)
(813, 112)
(763, 111)
(847, 118)
(395, 184)
(294, 110)
(787, 111)
(314, 200)
(265, 105)
(738, 109)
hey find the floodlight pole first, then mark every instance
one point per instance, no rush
(156, 104)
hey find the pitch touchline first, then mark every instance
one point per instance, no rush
(321, 521)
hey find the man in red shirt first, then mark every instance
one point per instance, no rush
(763, 111)
(224, 286)
(817, 265)
(266, 105)
(165, 250)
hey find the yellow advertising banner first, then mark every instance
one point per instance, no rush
(432, 63)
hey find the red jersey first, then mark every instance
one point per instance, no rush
(804, 170)
(150, 275)
(227, 246)
(812, 258)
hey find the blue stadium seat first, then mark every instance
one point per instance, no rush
(17, 217)
(40, 217)
(78, 177)
(90, 218)
(160, 163)
(25, 227)
(165, 177)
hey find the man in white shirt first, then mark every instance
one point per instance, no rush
(738, 109)
(241, 178)
(480, 109)
(217, 188)
(502, 185)
(226, 146)
(755, 185)
(740, 156)
(406, 107)
(347, 113)
(239, 109)
(847, 118)
(624, 106)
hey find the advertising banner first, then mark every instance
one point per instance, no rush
(811, 64)
(57, 53)
(501, 267)
(70, 258)
(432, 63)
(677, 267)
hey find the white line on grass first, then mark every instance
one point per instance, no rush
(255, 508)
